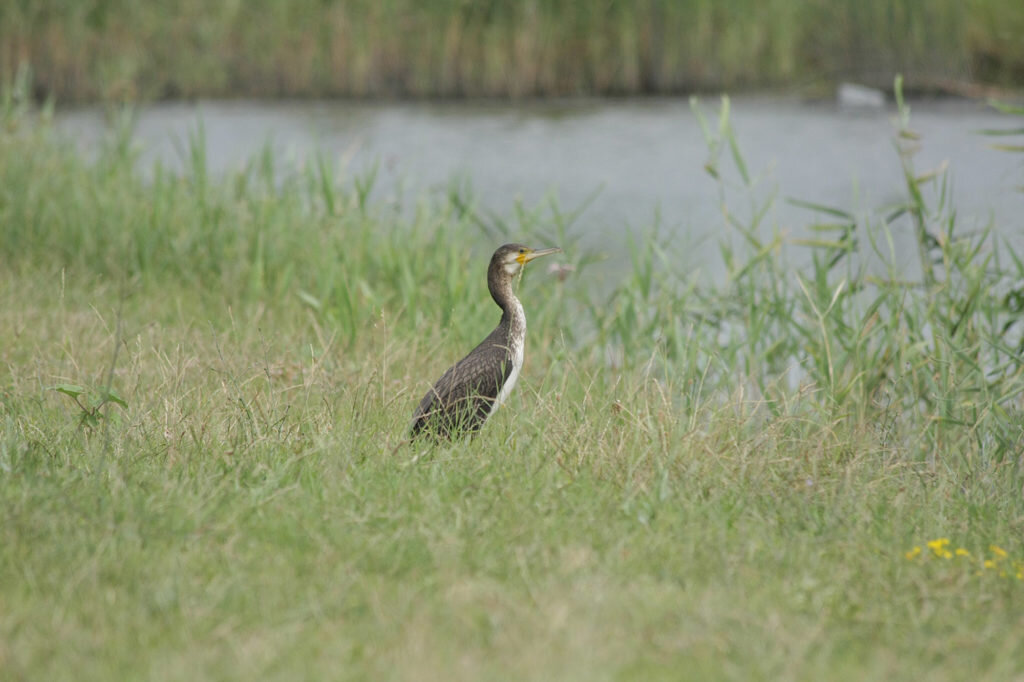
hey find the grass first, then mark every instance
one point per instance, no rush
(110, 49)
(691, 481)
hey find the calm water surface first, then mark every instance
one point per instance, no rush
(643, 158)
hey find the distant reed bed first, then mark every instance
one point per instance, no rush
(97, 49)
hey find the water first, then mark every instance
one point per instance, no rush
(643, 158)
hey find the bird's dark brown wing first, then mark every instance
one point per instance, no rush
(462, 398)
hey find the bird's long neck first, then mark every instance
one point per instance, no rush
(512, 316)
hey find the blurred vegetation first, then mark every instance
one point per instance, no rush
(90, 49)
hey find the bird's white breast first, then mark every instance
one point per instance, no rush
(517, 340)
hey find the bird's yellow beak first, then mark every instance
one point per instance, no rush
(525, 258)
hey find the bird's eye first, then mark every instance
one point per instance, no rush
(522, 250)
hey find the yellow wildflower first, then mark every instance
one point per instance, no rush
(914, 553)
(946, 554)
(998, 551)
(960, 551)
(989, 563)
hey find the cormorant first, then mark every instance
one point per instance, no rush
(472, 389)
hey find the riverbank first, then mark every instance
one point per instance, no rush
(103, 49)
(798, 473)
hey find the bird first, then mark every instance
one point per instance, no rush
(474, 387)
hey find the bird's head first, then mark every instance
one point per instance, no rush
(513, 257)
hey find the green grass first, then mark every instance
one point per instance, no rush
(111, 49)
(692, 480)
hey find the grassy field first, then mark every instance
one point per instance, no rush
(810, 475)
(112, 49)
